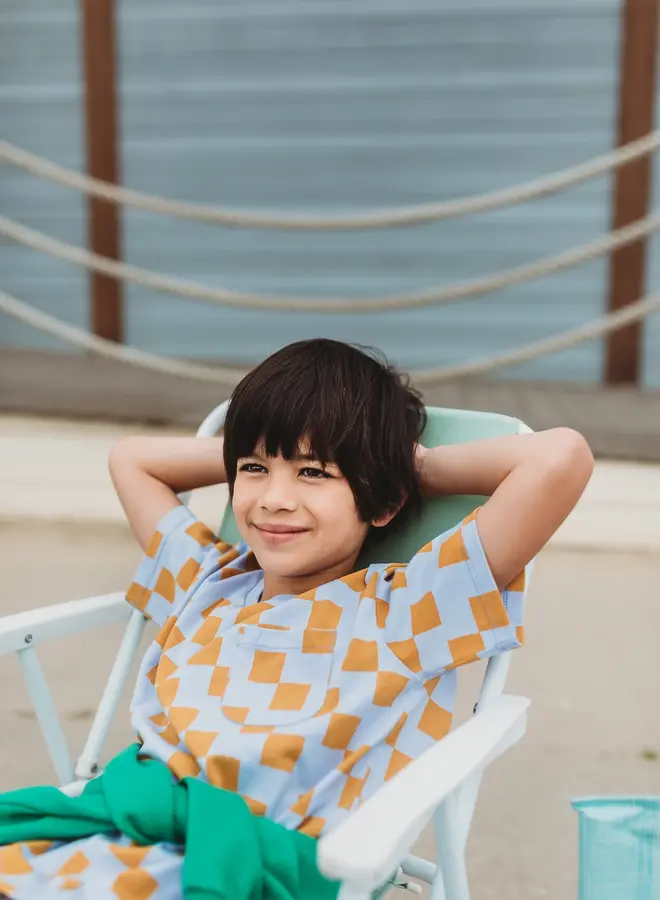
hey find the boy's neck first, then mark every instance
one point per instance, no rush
(276, 585)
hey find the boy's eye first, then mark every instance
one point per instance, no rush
(314, 472)
(251, 467)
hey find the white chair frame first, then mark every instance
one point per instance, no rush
(374, 842)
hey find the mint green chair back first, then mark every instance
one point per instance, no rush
(445, 426)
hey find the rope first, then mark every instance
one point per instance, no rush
(564, 341)
(227, 376)
(391, 218)
(17, 309)
(460, 291)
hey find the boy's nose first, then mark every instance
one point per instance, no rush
(278, 495)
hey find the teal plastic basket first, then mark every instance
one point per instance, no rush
(619, 844)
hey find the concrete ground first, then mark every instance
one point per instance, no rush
(590, 667)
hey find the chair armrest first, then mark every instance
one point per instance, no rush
(74, 788)
(367, 847)
(38, 625)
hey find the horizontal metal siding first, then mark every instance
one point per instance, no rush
(651, 345)
(40, 100)
(325, 107)
(335, 107)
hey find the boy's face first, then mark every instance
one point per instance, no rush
(298, 517)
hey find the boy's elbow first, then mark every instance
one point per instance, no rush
(572, 456)
(122, 453)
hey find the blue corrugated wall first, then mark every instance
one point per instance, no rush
(328, 107)
(40, 101)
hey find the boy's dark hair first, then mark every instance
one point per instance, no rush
(355, 410)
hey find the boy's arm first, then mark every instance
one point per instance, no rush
(148, 473)
(533, 481)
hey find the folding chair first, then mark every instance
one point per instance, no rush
(368, 852)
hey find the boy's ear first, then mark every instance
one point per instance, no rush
(387, 517)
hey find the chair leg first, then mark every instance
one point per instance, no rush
(88, 763)
(438, 886)
(451, 853)
(46, 715)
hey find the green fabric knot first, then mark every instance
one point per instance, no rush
(229, 853)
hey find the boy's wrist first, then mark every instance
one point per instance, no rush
(453, 469)
(430, 470)
(481, 466)
(181, 463)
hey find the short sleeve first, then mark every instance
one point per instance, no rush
(445, 609)
(176, 553)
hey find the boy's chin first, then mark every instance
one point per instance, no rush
(282, 565)
(277, 564)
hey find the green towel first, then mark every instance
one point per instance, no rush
(230, 854)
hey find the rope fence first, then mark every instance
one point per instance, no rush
(78, 337)
(604, 325)
(392, 218)
(460, 291)
(411, 215)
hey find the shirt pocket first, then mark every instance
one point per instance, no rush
(275, 677)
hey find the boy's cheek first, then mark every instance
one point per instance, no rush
(239, 516)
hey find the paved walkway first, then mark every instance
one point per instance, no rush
(590, 664)
(590, 668)
(54, 469)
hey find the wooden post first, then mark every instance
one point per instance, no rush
(99, 79)
(632, 185)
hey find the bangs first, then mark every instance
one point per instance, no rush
(286, 419)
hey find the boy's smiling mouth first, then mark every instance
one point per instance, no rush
(278, 533)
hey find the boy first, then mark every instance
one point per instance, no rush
(279, 672)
